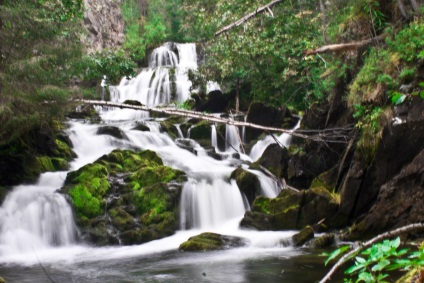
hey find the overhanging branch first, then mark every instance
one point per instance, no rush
(336, 135)
(259, 10)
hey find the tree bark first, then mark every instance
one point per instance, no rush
(247, 17)
(343, 46)
(238, 96)
(402, 9)
(415, 6)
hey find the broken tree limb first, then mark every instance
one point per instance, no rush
(239, 22)
(338, 135)
(378, 238)
(343, 46)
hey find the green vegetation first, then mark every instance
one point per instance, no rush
(377, 261)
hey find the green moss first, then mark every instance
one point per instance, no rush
(151, 175)
(45, 164)
(63, 150)
(261, 204)
(85, 204)
(152, 200)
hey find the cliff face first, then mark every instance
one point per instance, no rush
(104, 23)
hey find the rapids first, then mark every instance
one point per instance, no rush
(37, 227)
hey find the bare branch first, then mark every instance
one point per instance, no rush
(337, 135)
(248, 16)
(343, 46)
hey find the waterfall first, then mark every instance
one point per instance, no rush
(34, 217)
(165, 80)
(206, 205)
(232, 138)
(214, 138)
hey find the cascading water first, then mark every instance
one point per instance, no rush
(36, 223)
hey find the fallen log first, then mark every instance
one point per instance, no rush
(343, 46)
(239, 22)
(337, 135)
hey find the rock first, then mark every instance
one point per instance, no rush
(363, 181)
(112, 131)
(133, 102)
(275, 159)
(105, 24)
(264, 115)
(303, 236)
(125, 197)
(216, 102)
(291, 210)
(324, 241)
(141, 127)
(202, 132)
(248, 184)
(211, 242)
(398, 203)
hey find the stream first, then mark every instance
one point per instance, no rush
(39, 239)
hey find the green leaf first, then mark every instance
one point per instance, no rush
(398, 98)
(422, 94)
(381, 265)
(366, 277)
(335, 253)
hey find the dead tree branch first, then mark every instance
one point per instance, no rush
(390, 234)
(343, 46)
(248, 16)
(337, 135)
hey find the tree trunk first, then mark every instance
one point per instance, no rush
(238, 96)
(415, 6)
(402, 9)
(324, 20)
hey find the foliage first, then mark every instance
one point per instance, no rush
(376, 261)
(39, 50)
(114, 64)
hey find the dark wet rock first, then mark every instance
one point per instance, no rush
(265, 115)
(141, 127)
(323, 241)
(187, 144)
(275, 159)
(291, 210)
(133, 102)
(112, 131)
(303, 236)
(248, 183)
(125, 198)
(399, 145)
(212, 242)
(398, 203)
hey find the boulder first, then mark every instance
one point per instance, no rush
(141, 127)
(212, 242)
(248, 184)
(303, 236)
(202, 132)
(125, 197)
(86, 112)
(323, 241)
(291, 210)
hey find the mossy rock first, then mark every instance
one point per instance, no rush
(211, 242)
(169, 128)
(63, 149)
(127, 195)
(326, 180)
(202, 132)
(248, 183)
(324, 241)
(303, 236)
(275, 159)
